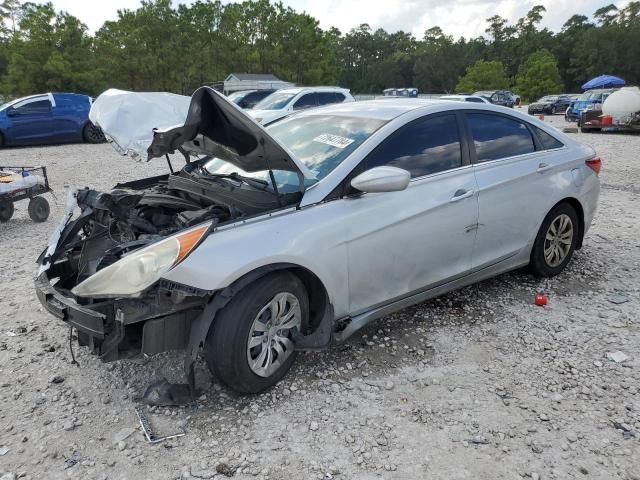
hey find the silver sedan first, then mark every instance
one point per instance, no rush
(285, 238)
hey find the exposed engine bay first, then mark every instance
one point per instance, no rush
(135, 214)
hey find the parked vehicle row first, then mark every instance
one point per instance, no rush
(262, 244)
(589, 100)
(550, 105)
(504, 98)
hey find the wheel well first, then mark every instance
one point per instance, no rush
(318, 295)
(577, 206)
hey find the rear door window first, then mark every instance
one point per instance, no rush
(325, 98)
(306, 101)
(424, 147)
(497, 136)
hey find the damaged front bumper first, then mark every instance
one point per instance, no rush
(127, 328)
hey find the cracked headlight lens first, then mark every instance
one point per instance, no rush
(142, 268)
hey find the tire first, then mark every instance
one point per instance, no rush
(93, 134)
(6, 211)
(38, 209)
(565, 238)
(1, 140)
(227, 351)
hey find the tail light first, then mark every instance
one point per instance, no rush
(594, 164)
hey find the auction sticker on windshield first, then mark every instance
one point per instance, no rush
(333, 140)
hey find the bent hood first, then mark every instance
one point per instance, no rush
(151, 124)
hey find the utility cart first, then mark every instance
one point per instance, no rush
(21, 183)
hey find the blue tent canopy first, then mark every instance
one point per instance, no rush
(604, 81)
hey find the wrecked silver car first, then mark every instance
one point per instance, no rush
(274, 240)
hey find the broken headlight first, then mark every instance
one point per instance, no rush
(139, 270)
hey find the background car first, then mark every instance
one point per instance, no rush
(287, 100)
(465, 98)
(591, 99)
(249, 98)
(550, 104)
(503, 98)
(48, 118)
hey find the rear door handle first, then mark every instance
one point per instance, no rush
(461, 194)
(543, 167)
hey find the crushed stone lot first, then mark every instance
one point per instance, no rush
(477, 384)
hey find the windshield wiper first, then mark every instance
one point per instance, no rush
(254, 182)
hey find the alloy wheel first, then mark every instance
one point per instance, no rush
(269, 343)
(558, 240)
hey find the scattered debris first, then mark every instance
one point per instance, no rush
(540, 299)
(57, 379)
(619, 298)
(123, 434)
(11, 334)
(570, 129)
(73, 459)
(617, 357)
(165, 394)
(225, 469)
(148, 429)
(3, 451)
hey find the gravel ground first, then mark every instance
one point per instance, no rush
(477, 384)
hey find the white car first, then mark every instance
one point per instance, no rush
(286, 101)
(466, 98)
(287, 237)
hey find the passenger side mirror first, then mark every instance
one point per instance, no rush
(382, 179)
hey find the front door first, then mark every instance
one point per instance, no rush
(403, 242)
(30, 120)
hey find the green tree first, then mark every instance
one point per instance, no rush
(538, 76)
(483, 75)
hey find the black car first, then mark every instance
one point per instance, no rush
(249, 98)
(497, 97)
(550, 104)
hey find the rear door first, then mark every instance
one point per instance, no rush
(29, 121)
(514, 184)
(404, 242)
(70, 114)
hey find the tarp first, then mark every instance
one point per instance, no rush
(128, 118)
(20, 183)
(604, 81)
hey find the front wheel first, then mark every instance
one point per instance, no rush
(93, 134)
(555, 242)
(250, 344)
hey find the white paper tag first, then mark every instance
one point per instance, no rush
(333, 140)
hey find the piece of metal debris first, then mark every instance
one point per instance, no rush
(148, 429)
(617, 357)
(3, 451)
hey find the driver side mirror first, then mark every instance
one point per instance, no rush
(12, 112)
(382, 179)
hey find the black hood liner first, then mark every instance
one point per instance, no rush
(214, 126)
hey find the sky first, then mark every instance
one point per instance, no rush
(458, 18)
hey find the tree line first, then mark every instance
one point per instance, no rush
(157, 47)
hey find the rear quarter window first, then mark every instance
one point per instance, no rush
(549, 142)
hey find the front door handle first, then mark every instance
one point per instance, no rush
(543, 167)
(461, 194)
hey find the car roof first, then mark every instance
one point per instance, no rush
(297, 90)
(388, 109)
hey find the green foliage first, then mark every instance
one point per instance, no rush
(159, 46)
(483, 75)
(538, 75)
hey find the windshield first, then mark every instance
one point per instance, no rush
(548, 99)
(321, 142)
(275, 101)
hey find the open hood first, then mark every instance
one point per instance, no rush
(217, 127)
(145, 125)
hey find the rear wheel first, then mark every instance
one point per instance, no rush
(250, 347)
(6, 211)
(555, 242)
(38, 209)
(93, 134)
